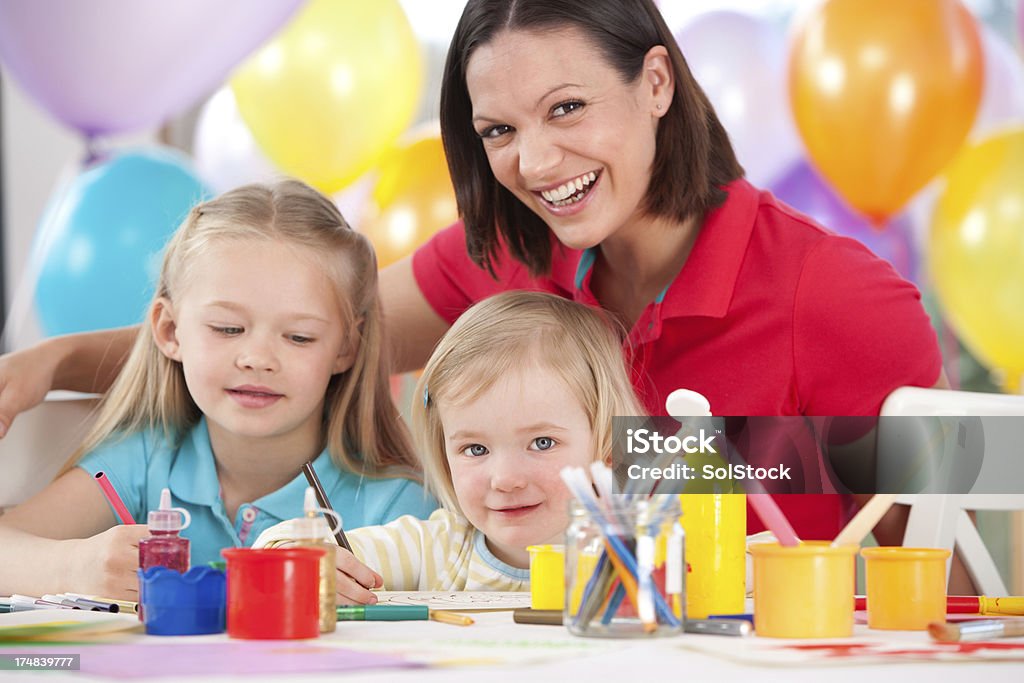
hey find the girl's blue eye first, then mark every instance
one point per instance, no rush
(299, 339)
(475, 450)
(543, 443)
(227, 331)
(566, 107)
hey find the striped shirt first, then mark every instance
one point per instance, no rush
(442, 553)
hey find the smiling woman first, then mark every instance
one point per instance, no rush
(588, 163)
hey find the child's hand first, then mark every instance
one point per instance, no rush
(105, 564)
(354, 579)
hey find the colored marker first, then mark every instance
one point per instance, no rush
(123, 605)
(24, 603)
(718, 627)
(67, 602)
(547, 617)
(971, 604)
(384, 613)
(745, 617)
(115, 500)
(92, 605)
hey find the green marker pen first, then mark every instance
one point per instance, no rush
(384, 613)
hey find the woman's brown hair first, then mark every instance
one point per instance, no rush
(693, 160)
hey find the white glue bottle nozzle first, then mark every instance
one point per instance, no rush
(311, 526)
(309, 504)
(167, 518)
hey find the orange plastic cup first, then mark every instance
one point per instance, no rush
(803, 591)
(906, 587)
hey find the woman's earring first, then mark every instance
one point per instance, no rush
(658, 106)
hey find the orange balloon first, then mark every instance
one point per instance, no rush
(412, 199)
(884, 92)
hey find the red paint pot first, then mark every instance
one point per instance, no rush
(273, 594)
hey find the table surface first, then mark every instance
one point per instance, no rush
(496, 649)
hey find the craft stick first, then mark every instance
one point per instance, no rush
(865, 520)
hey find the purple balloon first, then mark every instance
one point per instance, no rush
(803, 189)
(106, 66)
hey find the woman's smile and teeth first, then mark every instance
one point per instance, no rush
(569, 194)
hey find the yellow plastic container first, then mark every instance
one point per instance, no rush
(906, 587)
(716, 533)
(547, 576)
(803, 591)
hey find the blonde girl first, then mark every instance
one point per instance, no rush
(262, 352)
(522, 385)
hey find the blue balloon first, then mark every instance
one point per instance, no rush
(104, 238)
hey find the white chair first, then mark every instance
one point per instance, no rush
(942, 520)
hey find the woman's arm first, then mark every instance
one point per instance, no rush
(412, 326)
(65, 539)
(87, 362)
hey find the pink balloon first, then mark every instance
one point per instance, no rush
(106, 66)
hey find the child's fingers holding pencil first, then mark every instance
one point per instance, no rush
(354, 580)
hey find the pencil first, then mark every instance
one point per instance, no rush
(321, 498)
(451, 618)
(115, 500)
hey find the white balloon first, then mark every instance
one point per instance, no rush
(1002, 99)
(740, 62)
(226, 155)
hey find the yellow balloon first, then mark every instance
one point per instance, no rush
(976, 250)
(327, 97)
(412, 199)
(884, 93)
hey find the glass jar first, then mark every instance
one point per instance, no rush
(625, 569)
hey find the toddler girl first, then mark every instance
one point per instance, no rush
(522, 385)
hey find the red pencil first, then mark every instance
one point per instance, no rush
(115, 500)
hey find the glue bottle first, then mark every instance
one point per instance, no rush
(312, 531)
(715, 525)
(164, 547)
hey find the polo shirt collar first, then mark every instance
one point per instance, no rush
(705, 285)
(193, 477)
